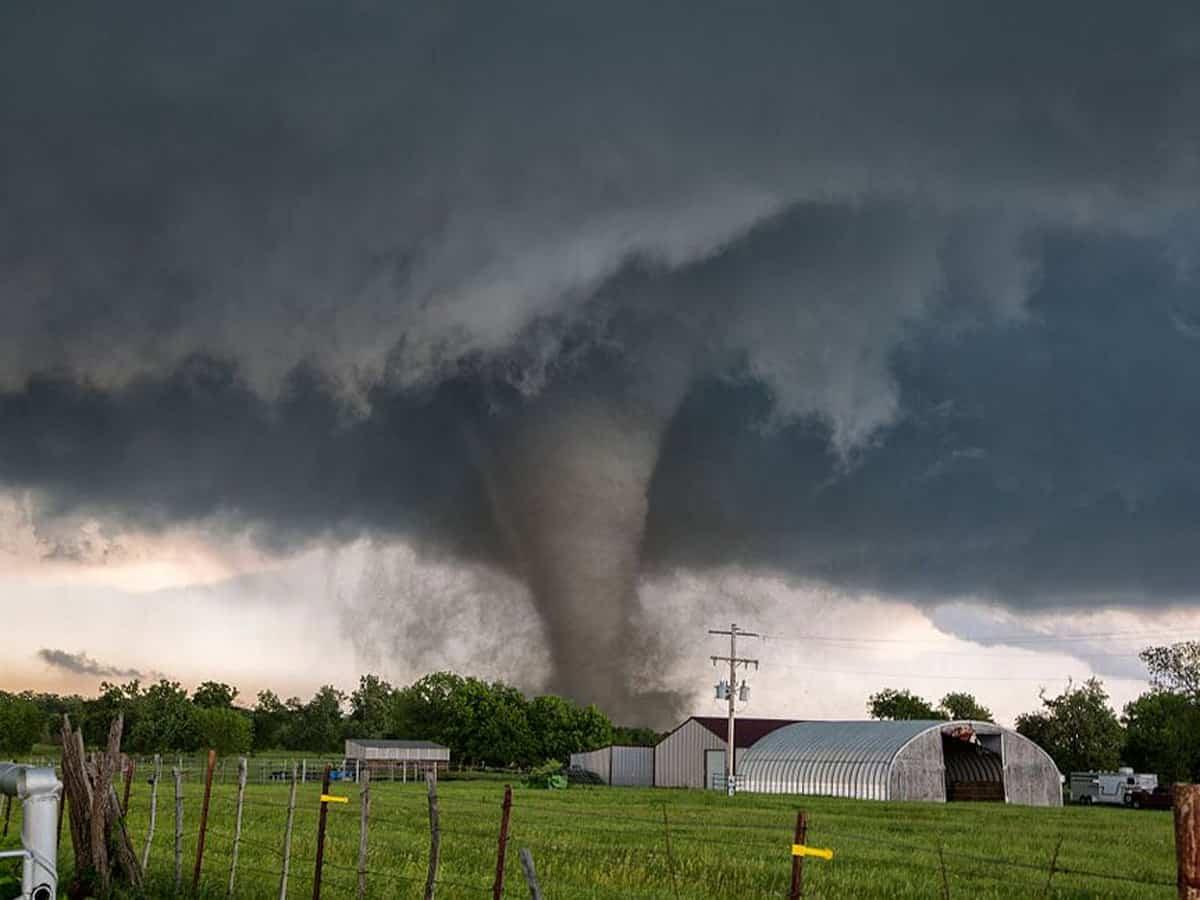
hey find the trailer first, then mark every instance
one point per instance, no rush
(1112, 788)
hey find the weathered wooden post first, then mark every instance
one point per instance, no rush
(287, 838)
(1187, 840)
(435, 837)
(130, 768)
(801, 836)
(208, 777)
(531, 879)
(321, 834)
(153, 811)
(237, 825)
(363, 823)
(178, 827)
(502, 847)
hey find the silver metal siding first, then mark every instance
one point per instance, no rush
(679, 757)
(632, 766)
(840, 759)
(597, 761)
(918, 771)
(354, 750)
(1030, 776)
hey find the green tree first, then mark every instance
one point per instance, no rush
(370, 707)
(634, 736)
(961, 705)
(22, 723)
(1077, 728)
(1175, 667)
(214, 695)
(318, 724)
(904, 704)
(224, 729)
(1162, 735)
(166, 720)
(558, 728)
(114, 700)
(271, 719)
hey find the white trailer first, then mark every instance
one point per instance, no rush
(1114, 788)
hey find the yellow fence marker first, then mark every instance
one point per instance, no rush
(818, 852)
(329, 798)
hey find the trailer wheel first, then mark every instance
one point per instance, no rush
(1085, 800)
(1137, 802)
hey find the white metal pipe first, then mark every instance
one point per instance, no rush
(39, 790)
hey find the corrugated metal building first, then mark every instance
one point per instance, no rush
(619, 766)
(905, 760)
(693, 755)
(411, 756)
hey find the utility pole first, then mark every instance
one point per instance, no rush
(731, 691)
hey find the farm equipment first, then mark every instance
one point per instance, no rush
(1112, 788)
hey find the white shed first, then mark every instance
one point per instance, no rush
(693, 755)
(395, 756)
(619, 766)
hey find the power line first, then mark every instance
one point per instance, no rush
(988, 639)
(731, 692)
(940, 676)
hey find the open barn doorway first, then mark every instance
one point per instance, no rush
(974, 768)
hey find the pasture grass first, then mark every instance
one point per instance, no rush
(611, 842)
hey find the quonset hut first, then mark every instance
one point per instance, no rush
(905, 760)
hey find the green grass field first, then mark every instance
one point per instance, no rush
(611, 842)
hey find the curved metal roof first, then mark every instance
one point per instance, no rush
(842, 759)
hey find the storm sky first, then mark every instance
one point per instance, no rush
(546, 324)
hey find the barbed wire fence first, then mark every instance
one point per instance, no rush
(297, 862)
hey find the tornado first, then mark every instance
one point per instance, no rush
(568, 477)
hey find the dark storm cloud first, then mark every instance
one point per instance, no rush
(577, 290)
(82, 664)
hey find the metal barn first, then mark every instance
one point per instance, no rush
(906, 760)
(693, 755)
(619, 766)
(398, 756)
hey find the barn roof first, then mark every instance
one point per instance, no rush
(747, 730)
(403, 745)
(860, 741)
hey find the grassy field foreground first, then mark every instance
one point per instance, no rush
(612, 842)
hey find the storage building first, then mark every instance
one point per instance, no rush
(397, 758)
(693, 755)
(906, 760)
(619, 766)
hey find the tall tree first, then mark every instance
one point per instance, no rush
(270, 718)
(961, 705)
(224, 729)
(370, 707)
(1162, 735)
(1175, 667)
(903, 704)
(21, 723)
(166, 720)
(214, 695)
(1077, 728)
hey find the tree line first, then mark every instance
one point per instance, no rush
(1158, 732)
(483, 723)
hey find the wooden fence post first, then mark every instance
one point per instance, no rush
(287, 838)
(178, 827)
(1187, 840)
(535, 890)
(1053, 867)
(153, 810)
(237, 824)
(7, 813)
(208, 777)
(364, 804)
(130, 768)
(670, 855)
(435, 837)
(321, 835)
(801, 835)
(502, 848)
(942, 866)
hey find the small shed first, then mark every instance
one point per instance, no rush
(619, 766)
(397, 756)
(693, 755)
(903, 760)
